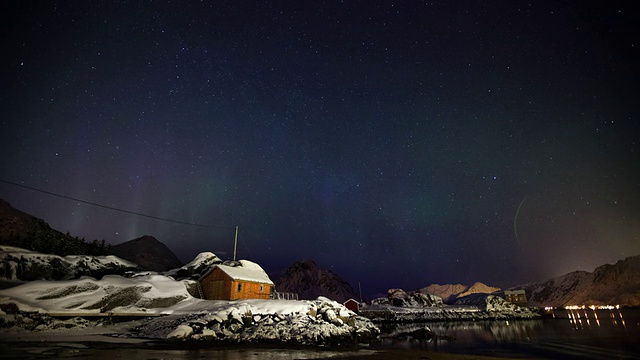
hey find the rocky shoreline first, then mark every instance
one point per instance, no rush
(326, 323)
(476, 307)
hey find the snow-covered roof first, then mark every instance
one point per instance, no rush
(246, 270)
(514, 292)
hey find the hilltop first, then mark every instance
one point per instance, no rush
(309, 281)
(606, 285)
(148, 252)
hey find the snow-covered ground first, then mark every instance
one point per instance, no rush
(167, 310)
(321, 321)
(112, 293)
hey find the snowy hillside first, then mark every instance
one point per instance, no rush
(606, 285)
(318, 322)
(113, 293)
(26, 265)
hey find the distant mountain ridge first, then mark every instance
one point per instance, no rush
(606, 285)
(26, 231)
(309, 281)
(148, 252)
(451, 292)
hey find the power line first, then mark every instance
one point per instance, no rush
(114, 208)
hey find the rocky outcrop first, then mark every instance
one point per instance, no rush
(309, 281)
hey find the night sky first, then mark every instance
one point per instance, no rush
(397, 143)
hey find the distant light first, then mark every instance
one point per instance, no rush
(592, 307)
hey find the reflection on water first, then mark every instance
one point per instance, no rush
(581, 318)
(446, 335)
(581, 333)
(70, 350)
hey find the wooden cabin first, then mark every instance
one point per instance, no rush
(352, 305)
(236, 280)
(518, 297)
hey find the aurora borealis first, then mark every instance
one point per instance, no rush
(397, 143)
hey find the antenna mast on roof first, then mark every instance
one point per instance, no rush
(235, 244)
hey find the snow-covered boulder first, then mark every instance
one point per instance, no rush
(400, 298)
(319, 322)
(195, 267)
(182, 332)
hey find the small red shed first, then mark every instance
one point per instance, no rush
(352, 305)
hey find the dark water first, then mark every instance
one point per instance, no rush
(583, 334)
(196, 351)
(576, 334)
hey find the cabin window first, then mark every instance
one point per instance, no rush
(239, 287)
(261, 288)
